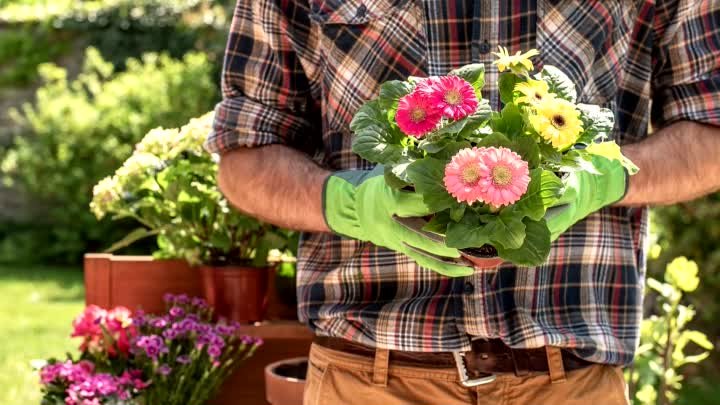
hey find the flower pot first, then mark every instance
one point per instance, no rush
(285, 381)
(483, 258)
(136, 282)
(235, 292)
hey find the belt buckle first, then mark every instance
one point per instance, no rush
(464, 377)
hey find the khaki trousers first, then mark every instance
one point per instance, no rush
(337, 378)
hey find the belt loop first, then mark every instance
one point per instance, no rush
(380, 367)
(555, 364)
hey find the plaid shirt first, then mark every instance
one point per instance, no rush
(297, 70)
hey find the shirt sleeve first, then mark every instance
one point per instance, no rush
(686, 59)
(266, 93)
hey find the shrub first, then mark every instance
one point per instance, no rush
(169, 186)
(23, 49)
(79, 131)
(655, 376)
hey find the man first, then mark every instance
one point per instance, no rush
(392, 331)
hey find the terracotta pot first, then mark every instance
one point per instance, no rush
(483, 258)
(136, 282)
(237, 293)
(285, 381)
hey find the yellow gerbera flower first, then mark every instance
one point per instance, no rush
(533, 92)
(557, 121)
(519, 63)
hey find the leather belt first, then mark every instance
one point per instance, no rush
(487, 357)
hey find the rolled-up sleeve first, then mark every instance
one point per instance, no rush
(267, 96)
(686, 83)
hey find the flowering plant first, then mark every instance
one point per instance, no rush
(169, 186)
(488, 176)
(180, 357)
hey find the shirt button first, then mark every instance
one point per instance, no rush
(361, 11)
(469, 288)
(484, 48)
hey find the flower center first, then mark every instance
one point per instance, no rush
(417, 114)
(538, 96)
(452, 97)
(558, 121)
(501, 175)
(470, 175)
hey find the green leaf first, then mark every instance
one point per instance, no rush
(559, 83)
(132, 237)
(495, 139)
(451, 150)
(544, 190)
(506, 86)
(468, 233)
(506, 231)
(391, 91)
(399, 180)
(457, 212)
(474, 74)
(528, 149)
(479, 119)
(547, 152)
(535, 248)
(511, 121)
(375, 140)
(438, 223)
(427, 176)
(578, 159)
(598, 123)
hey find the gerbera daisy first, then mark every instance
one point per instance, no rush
(519, 63)
(454, 96)
(495, 176)
(533, 92)
(557, 121)
(417, 114)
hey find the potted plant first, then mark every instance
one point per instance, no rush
(178, 357)
(169, 186)
(488, 177)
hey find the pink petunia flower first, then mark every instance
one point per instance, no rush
(495, 176)
(417, 115)
(454, 96)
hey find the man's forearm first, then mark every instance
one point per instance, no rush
(276, 184)
(678, 163)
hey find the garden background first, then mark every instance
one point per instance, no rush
(82, 81)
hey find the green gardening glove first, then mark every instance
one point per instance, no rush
(360, 205)
(586, 193)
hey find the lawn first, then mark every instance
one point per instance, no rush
(37, 305)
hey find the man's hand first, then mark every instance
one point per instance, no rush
(359, 204)
(586, 193)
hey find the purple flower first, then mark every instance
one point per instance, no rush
(214, 351)
(183, 359)
(168, 298)
(170, 334)
(159, 323)
(203, 328)
(153, 346)
(182, 299)
(247, 340)
(199, 303)
(177, 312)
(185, 326)
(66, 372)
(164, 370)
(225, 330)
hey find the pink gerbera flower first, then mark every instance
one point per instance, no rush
(454, 96)
(495, 176)
(417, 115)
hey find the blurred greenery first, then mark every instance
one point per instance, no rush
(37, 306)
(79, 131)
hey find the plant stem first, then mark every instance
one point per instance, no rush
(662, 394)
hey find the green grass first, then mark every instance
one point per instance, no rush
(37, 306)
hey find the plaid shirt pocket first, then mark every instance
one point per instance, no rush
(362, 44)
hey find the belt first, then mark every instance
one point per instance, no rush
(477, 366)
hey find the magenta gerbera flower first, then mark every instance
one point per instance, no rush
(417, 115)
(495, 176)
(454, 96)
